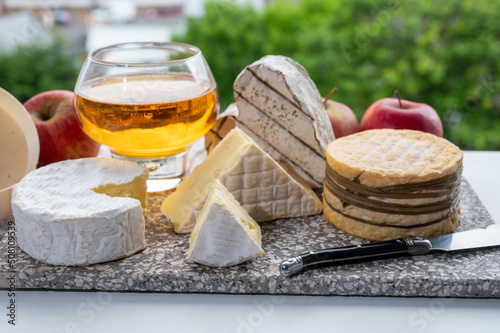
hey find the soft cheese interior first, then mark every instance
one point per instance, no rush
(224, 234)
(14, 154)
(261, 186)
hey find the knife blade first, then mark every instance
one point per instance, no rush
(458, 241)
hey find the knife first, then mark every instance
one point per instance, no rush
(458, 241)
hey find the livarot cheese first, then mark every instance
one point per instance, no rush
(386, 184)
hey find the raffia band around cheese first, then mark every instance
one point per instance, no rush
(351, 192)
(385, 232)
(386, 184)
(452, 212)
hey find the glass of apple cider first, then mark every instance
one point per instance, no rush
(147, 102)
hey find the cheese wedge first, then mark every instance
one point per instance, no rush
(228, 120)
(225, 122)
(81, 212)
(224, 234)
(279, 104)
(261, 186)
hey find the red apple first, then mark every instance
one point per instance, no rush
(56, 122)
(343, 119)
(402, 114)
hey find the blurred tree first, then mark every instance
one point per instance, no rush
(443, 53)
(34, 69)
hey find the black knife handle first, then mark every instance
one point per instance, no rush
(402, 246)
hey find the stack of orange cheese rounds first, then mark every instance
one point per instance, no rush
(387, 184)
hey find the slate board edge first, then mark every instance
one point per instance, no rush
(274, 285)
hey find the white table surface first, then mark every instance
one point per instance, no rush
(39, 311)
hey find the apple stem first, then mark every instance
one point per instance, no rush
(399, 98)
(330, 94)
(47, 114)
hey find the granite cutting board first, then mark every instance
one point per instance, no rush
(162, 267)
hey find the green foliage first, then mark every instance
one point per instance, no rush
(443, 53)
(34, 69)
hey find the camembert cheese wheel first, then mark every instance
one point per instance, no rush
(386, 184)
(81, 212)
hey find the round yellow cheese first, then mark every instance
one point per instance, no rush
(386, 184)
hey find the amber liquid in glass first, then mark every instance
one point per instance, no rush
(146, 116)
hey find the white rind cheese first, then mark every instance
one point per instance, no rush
(261, 186)
(279, 103)
(303, 162)
(81, 212)
(224, 234)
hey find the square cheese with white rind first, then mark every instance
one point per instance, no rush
(228, 120)
(249, 174)
(224, 234)
(279, 105)
(81, 212)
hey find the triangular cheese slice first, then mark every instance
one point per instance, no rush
(224, 234)
(261, 186)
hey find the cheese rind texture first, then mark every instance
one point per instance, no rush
(387, 157)
(409, 184)
(224, 234)
(259, 184)
(382, 233)
(301, 161)
(81, 212)
(279, 104)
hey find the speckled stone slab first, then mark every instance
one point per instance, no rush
(162, 267)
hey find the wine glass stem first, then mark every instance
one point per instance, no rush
(164, 172)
